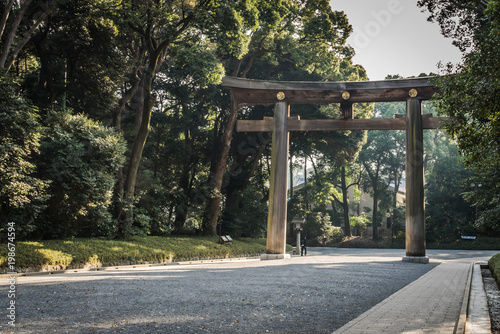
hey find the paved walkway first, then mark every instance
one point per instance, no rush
(432, 304)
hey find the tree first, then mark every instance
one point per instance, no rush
(183, 122)
(469, 94)
(81, 60)
(309, 36)
(448, 214)
(21, 191)
(29, 15)
(383, 159)
(341, 150)
(79, 157)
(375, 157)
(158, 26)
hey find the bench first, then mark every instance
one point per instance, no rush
(226, 240)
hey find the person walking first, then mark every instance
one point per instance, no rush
(303, 247)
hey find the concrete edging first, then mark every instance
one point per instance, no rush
(131, 266)
(478, 315)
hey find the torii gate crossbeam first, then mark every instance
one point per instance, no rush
(283, 94)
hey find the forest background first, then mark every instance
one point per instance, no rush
(113, 122)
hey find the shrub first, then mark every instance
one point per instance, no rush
(494, 264)
(358, 225)
(79, 159)
(317, 226)
(21, 192)
(249, 219)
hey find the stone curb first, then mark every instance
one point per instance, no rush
(465, 303)
(65, 271)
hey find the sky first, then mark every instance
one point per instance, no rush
(394, 37)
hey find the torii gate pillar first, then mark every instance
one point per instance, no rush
(276, 217)
(415, 216)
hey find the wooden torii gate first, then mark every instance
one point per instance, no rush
(282, 94)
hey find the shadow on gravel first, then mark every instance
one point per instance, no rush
(307, 295)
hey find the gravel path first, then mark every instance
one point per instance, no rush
(317, 293)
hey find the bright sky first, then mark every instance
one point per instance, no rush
(394, 37)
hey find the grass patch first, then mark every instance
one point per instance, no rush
(91, 253)
(494, 264)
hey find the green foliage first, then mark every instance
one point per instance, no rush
(359, 224)
(194, 63)
(317, 226)
(103, 58)
(249, 219)
(448, 215)
(21, 191)
(494, 264)
(82, 59)
(80, 253)
(229, 24)
(398, 223)
(469, 94)
(79, 157)
(458, 18)
(383, 159)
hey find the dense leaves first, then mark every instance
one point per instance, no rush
(21, 191)
(448, 214)
(79, 157)
(470, 94)
(113, 122)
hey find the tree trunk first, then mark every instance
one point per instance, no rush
(211, 217)
(5, 16)
(125, 224)
(27, 36)
(374, 218)
(394, 205)
(9, 40)
(181, 209)
(242, 179)
(290, 169)
(116, 123)
(345, 204)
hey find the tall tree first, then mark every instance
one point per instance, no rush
(375, 158)
(21, 191)
(28, 15)
(448, 214)
(470, 93)
(307, 35)
(159, 25)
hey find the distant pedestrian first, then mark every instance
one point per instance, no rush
(303, 247)
(324, 241)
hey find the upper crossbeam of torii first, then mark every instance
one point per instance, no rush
(245, 92)
(260, 92)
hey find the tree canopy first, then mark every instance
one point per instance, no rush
(122, 100)
(470, 95)
(114, 122)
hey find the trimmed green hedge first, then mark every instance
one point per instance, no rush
(494, 264)
(84, 253)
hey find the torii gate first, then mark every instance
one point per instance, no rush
(282, 94)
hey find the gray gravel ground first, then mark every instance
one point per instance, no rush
(317, 293)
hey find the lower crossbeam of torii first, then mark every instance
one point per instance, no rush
(282, 94)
